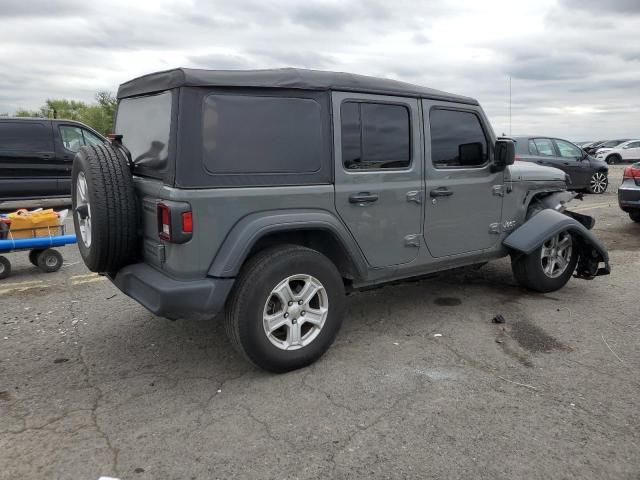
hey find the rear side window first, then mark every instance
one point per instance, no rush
(25, 136)
(246, 134)
(375, 136)
(145, 124)
(532, 148)
(457, 139)
(544, 147)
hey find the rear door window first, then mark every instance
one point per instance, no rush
(544, 147)
(256, 135)
(375, 136)
(26, 136)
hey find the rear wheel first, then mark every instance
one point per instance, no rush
(598, 183)
(635, 215)
(613, 159)
(286, 308)
(49, 260)
(33, 256)
(549, 267)
(5, 267)
(104, 208)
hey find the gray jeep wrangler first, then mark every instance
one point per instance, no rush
(271, 193)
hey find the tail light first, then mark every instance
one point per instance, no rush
(632, 172)
(164, 222)
(516, 158)
(175, 221)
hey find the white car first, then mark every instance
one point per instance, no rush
(628, 151)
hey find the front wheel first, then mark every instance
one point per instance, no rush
(549, 267)
(286, 308)
(634, 215)
(598, 183)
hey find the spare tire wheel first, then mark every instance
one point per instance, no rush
(104, 208)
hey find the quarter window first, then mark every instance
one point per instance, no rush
(375, 136)
(532, 148)
(457, 139)
(544, 147)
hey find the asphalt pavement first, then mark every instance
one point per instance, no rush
(420, 382)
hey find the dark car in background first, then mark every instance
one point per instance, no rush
(584, 171)
(629, 191)
(593, 146)
(36, 155)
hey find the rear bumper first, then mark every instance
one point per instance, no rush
(629, 197)
(171, 298)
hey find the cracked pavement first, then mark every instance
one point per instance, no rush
(92, 385)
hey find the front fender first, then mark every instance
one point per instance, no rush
(535, 231)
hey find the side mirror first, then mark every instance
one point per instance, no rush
(505, 155)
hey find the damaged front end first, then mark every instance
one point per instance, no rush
(548, 217)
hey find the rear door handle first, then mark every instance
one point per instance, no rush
(441, 192)
(363, 197)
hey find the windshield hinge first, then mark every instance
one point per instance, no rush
(412, 240)
(498, 190)
(414, 196)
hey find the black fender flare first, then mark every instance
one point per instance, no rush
(250, 229)
(535, 231)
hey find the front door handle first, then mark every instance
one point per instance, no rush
(363, 197)
(441, 192)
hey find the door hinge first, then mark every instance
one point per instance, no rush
(495, 228)
(412, 240)
(414, 196)
(498, 190)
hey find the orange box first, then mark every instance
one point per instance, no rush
(44, 223)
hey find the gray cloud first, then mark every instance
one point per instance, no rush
(574, 64)
(600, 7)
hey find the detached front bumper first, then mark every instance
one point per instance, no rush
(171, 298)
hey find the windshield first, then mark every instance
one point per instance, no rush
(612, 143)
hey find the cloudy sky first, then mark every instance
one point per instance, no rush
(574, 64)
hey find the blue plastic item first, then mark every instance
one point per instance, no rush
(36, 242)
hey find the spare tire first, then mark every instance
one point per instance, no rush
(104, 208)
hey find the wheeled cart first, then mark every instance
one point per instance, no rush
(40, 247)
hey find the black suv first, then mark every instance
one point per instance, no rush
(584, 171)
(36, 155)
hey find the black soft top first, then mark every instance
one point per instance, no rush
(291, 78)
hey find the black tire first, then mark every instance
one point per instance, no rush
(529, 273)
(33, 256)
(113, 211)
(598, 183)
(49, 260)
(613, 159)
(5, 267)
(253, 289)
(634, 215)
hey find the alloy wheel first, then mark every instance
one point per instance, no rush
(83, 209)
(295, 312)
(555, 255)
(598, 182)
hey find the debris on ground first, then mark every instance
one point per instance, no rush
(498, 319)
(437, 334)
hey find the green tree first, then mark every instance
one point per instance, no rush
(98, 115)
